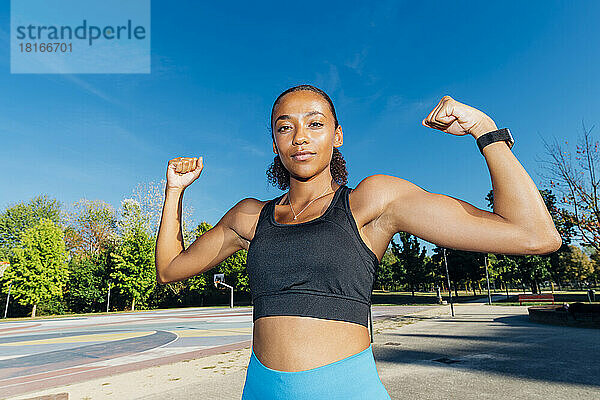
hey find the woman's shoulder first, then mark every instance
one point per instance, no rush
(244, 216)
(371, 199)
(380, 188)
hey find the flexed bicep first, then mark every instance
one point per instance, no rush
(450, 222)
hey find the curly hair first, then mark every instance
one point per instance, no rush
(277, 175)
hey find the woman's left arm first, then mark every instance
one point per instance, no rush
(520, 223)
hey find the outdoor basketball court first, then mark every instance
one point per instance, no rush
(44, 353)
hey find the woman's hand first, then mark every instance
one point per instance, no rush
(182, 171)
(459, 119)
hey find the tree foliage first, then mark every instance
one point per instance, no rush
(38, 268)
(134, 271)
(19, 217)
(578, 185)
(90, 228)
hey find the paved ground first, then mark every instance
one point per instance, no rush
(484, 352)
(40, 354)
(489, 352)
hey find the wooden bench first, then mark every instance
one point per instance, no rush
(535, 298)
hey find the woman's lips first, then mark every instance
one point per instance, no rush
(302, 157)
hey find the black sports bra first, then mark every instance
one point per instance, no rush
(319, 268)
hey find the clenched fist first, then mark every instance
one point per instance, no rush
(454, 117)
(182, 171)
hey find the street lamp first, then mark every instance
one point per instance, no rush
(449, 288)
(487, 278)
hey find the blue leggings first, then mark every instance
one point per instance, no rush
(353, 377)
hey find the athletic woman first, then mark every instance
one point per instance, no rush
(312, 251)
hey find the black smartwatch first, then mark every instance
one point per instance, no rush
(495, 136)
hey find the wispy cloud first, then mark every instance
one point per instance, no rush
(86, 86)
(330, 79)
(248, 147)
(382, 12)
(397, 104)
(357, 62)
(161, 67)
(236, 145)
(398, 114)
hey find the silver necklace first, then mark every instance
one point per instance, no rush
(296, 215)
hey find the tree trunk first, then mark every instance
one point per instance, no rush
(133, 304)
(534, 287)
(473, 287)
(33, 310)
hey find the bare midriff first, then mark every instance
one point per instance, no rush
(294, 343)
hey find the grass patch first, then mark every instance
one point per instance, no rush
(419, 299)
(528, 304)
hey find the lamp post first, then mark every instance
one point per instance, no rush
(487, 278)
(7, 297)
(108, 298)
(449, 287)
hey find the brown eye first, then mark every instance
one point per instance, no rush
(317, 124)
(281, 127)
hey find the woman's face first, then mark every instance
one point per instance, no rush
(302, 121)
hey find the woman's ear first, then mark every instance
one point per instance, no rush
(338, 138)
(275, 148)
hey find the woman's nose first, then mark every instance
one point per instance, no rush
(300, 135)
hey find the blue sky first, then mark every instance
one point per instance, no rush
(217, 68)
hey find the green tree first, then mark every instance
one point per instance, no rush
(595, 257)
(134, 271)
(579, 267)
(21, 216)
(88, 284)
(533, 270)
(233, 267)
(475, 269)
(91, 227)
(434, 272)
(384, 273)
(38, 268)
(463, 266)
(410, 268)
(505, 268)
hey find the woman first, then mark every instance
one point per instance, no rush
(312, 251)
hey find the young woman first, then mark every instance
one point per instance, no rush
(312, 251)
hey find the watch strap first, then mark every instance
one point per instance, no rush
(495, 136)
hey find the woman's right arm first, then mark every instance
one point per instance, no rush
(174, 262)
(169, 242)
